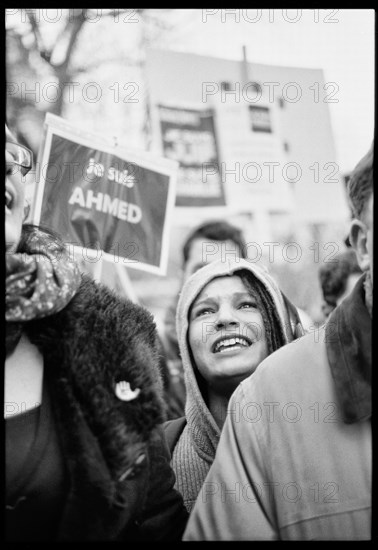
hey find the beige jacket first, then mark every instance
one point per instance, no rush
(287, 466)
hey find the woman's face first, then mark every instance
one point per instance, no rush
(14, 198)
(226, 333)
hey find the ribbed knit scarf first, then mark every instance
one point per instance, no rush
(41, 279)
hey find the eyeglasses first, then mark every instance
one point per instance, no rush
(21, 157)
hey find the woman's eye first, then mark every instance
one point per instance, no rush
(246, 305)
(204, 311)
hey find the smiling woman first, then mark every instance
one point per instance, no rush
(231, 315)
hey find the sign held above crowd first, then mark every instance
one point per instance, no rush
(189, 137)
(104, 200)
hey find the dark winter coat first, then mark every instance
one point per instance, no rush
(121, 484)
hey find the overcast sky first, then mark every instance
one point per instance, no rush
(341, 42)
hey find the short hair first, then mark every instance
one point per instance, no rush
(334, 275)
(217, 230)
(360, 184)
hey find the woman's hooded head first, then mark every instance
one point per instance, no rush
(261, 325)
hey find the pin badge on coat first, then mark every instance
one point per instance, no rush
(124, 392)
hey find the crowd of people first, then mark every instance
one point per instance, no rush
(294, 460)
(234, 423)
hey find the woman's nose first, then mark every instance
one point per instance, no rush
(226, 316)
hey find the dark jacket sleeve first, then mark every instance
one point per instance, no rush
(164, 515)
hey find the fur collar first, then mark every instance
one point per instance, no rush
(95, 342)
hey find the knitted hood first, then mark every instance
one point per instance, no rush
(205, 431)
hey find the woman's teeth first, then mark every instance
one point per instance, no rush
(229, 343)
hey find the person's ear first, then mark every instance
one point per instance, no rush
(358, 240)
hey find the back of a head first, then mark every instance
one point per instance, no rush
(215, 230)
(361, 233)
(333, 275)
(360, 184)
(349, 258)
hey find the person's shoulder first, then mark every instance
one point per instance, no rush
(89, 287)
(101, 309)
(296, 360)
(300, 347)
(106, 300)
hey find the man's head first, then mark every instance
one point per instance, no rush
(361, 196)
(211, 241)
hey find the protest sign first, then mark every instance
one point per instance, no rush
(112, 203)
(188, 136)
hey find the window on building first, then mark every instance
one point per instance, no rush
(260, 119)
(226, 86)
(256, 87)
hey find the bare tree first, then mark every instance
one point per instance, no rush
(33, 53)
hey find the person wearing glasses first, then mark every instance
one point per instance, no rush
(19, 161)
(86, 457)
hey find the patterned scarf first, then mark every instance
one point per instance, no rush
(41, 278)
